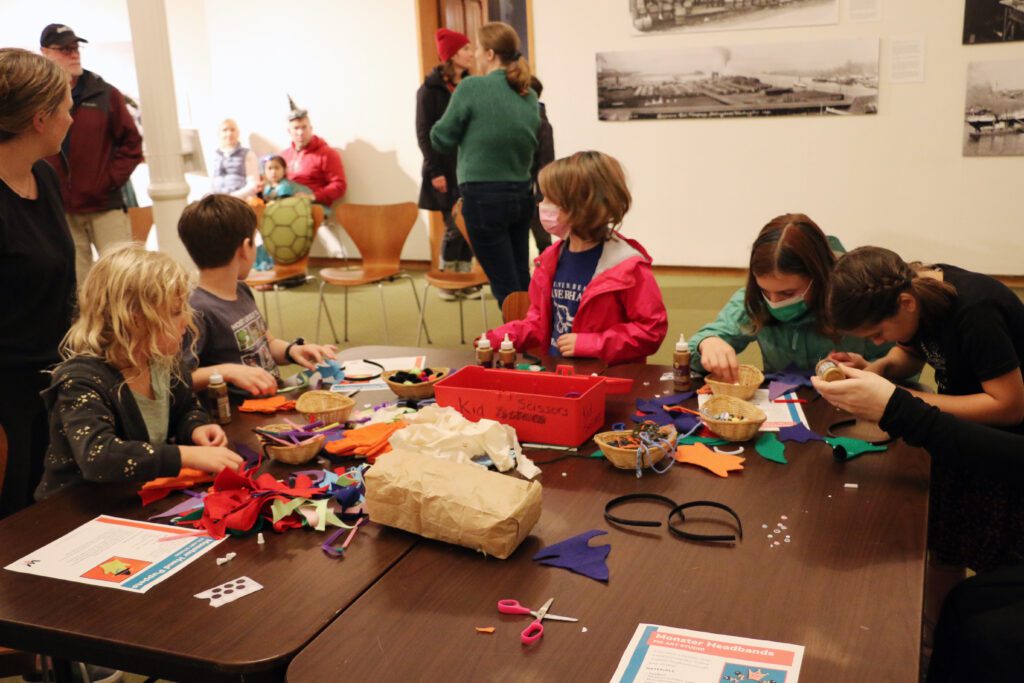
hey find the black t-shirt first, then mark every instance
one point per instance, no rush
(981, 338)
(37, 274)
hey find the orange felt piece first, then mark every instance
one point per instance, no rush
(160, 487)
(267, 405)
(706, 389)
(700, 455)
(368, 442)
(485, 629)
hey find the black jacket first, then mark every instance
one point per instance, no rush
(431, 101)
(97, 433)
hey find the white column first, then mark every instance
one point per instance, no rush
(161, 135)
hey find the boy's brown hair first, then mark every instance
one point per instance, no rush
(590, 189)
(214, 227)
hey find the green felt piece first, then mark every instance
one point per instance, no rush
(597, 454)
(770, 448)
(847, 449)
(706, 440)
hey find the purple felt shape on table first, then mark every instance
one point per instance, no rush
(685, 422)
(577, 555)
(660, 418)
(777, 389)
(250, 456)
(184, 507)
(798, 433)
(653, 405)
(791, 374)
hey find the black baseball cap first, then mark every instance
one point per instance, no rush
(59, 35)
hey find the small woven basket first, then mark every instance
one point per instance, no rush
(625, 458)
(292, 455)
(417, 392)
(749, 381)
(744, 430)
(324, 405)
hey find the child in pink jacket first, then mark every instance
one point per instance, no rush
(592, 294)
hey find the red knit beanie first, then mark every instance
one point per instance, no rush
(448, 43)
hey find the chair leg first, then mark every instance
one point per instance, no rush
(265, 311)
(483, 309)
(416, 296)
(383, 312)
(280, 316)
(346, 315)
(423, 314)
(320, 308)
(330, 321)
(462, 324)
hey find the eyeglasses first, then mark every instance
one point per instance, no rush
(67, 50)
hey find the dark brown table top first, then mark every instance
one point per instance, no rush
(848, 586)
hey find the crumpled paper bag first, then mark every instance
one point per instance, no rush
(443, 432)
(447, 501)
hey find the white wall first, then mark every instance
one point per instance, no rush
(703, 188)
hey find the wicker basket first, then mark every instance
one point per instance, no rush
(753, 418)
(417, 392)
(749, 381)
(625, 458)
(324, 405)
(293, 455)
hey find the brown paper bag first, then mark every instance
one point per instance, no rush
(456, 503)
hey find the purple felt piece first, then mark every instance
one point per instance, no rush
(250, 456)
(577, 555)
(648, 405)
(660, 418)
(777, 389)
(653, 405)
(798, 433)
(792, 375)
(187, 505)
(685, 422)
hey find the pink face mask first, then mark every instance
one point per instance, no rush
(548, 214)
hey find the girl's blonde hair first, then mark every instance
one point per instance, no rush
(126, 306)
(590, 189)
(29, 84)
(503, 39)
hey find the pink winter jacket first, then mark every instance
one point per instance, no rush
(621, 318)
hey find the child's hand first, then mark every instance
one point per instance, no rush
(209, 435)
(567, 345)
(719, 359)
(210, 458)
(256, 381)
(862, 393)
(849, 359)
(309, 355)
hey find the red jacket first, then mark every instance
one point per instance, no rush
(102, 149)
(621, 318)
(318, 167)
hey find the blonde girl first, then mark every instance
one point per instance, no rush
(121, 408)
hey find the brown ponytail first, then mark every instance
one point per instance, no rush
(866, 287)
(503, 39)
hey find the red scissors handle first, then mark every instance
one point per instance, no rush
(532, 633)
(512, 607)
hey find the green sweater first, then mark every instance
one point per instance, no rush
(493, 127)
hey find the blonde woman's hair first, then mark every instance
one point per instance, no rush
(125, 307)
(228, 122)
(503, 39)
(29, 84)
(590, 188)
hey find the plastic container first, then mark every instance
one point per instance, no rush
(559, 408)
(217, 399)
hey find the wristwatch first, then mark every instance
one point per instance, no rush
(299, 341)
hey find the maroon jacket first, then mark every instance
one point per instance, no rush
(102, 149)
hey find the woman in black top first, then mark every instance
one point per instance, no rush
(440, 189)
(37, 259)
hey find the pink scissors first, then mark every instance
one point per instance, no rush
(535, 630)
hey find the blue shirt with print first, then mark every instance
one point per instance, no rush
(575, 271)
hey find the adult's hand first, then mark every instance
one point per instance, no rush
(719, 359)
(862, 393)
(440, 184)
(849, 359)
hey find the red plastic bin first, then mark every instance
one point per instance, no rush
(560, 408)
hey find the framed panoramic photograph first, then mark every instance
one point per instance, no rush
(651, 17)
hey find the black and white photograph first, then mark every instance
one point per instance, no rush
(809, 79)
(993, 21)
(994, 112)
(653, 17)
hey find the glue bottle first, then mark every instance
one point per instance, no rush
(828, 370)
(217, 399)
(506, 354)
(484, 352)
(681, 365)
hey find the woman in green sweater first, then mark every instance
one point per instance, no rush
(493, 120)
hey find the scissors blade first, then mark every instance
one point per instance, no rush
(542, 612)
(556, 617)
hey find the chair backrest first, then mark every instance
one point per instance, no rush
(378, 230)
(515, 306)
(141, 219)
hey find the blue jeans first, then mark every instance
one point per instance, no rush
(498, 222)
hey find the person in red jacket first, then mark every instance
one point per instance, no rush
(98, 155)
(592, 294)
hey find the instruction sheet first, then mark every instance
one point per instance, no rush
(662, 654)
(117, 553)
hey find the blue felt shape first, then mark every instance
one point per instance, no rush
(792, 375)
(685, 422)
(577, 555)
(660, 418)
(653, 405)
(777, 389)
(347, 496)
(798, 433)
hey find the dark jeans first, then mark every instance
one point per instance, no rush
(453, 246)
(498, 222)
(24, 419)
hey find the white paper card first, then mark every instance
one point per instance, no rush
(906, 60)
(863, 11)
(229, 591)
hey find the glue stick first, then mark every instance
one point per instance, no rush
(484, 352)
(506, 354)
(681, 365)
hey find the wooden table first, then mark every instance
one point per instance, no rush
(167, 632)
(848, 586)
